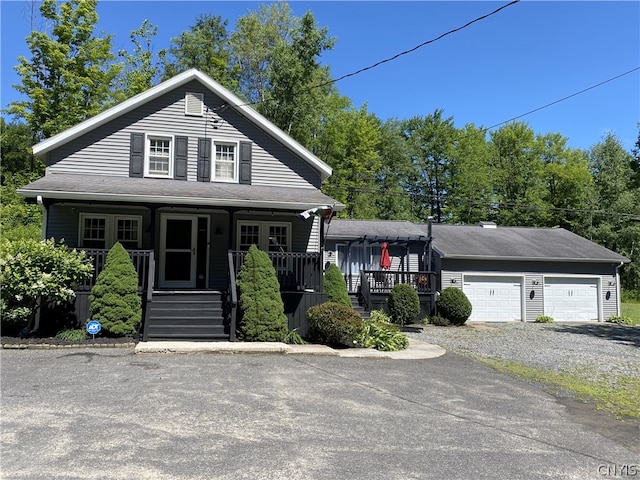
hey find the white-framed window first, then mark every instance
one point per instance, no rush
(225, 162)
(267, 236)
(103, 230)
(194, 104)
(158, 156)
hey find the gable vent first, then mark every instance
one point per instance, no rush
(194, 104)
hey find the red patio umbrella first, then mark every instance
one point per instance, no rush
(385, 259)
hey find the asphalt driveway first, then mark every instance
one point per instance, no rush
(110, 414)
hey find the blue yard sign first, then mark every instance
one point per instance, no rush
(93, 327)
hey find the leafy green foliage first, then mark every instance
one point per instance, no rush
(439, 321)
(32, 272)
(454, 305)
(335, 324)
(403, 303)
(623, 320)
(379, 316)
(263, 317)
(294, 338)
(70, 74)
(544, 319)
(383, 336)
(72, 335)
(335, 287)
(114, 298)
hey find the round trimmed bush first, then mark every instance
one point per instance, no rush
(334, 286)
(332, 323)
(454, 305)
(403, 304)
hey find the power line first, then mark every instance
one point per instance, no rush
(394, 57)
(411, 50)
(563, 99)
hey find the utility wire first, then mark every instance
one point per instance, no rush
(562, 99)
(394, 57)
(411, 50)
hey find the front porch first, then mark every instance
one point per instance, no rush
(209, 313)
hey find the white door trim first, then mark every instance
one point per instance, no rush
(163, 250)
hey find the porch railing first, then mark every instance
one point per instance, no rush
(382, 282)
(296, 271)
(143, 262)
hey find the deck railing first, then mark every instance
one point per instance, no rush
(296, 271)
(381, 282)
(143, 262)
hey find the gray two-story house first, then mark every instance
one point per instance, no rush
(186, 176)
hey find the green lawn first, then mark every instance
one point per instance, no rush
(632, 310)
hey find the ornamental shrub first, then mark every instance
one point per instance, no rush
(335, 287)
(544, 319)
(114, 298)
(383, 336)
(263, 317)
(439, 321)
(332, 323)
(454, 305)
(33, 272)
(403, 304)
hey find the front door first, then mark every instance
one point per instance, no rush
(178, 251)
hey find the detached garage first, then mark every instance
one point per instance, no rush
(518, 273)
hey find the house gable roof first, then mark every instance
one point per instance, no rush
(179, 80)
(518, 243)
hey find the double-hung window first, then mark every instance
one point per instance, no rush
(159, 156)
(102, 231)
(225, 162)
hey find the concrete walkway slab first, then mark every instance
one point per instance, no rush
(416, 349)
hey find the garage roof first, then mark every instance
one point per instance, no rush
(517, 243)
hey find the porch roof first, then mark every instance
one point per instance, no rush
(104, 188)
(376, 231)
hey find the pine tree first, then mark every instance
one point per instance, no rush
(263, 317)
(114, 299)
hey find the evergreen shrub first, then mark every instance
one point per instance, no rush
(263, 317)
(403, 304)
(332, 323)
(334, 286)
(439, 321)
(114, 299)
(454, 305)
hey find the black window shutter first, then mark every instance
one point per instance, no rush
(245, 162)
(204, 159)
(180, 158)
(136, 155)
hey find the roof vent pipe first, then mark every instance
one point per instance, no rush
(488, 224)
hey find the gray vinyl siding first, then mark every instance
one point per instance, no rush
(609, 287)
(63, 221)
(105, 150)
(301, 231)
(450, 279)
(519, 267)
(534, 296)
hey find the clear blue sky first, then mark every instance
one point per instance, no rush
(526, 56)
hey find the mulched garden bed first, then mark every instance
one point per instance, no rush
(53, 342)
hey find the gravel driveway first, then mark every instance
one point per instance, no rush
(589, 350)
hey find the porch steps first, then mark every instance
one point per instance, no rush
(355, 303)
(186, 316)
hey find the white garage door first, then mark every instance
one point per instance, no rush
(494, 299)
(571, 299)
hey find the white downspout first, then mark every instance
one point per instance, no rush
(618, 307)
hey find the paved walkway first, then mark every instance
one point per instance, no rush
(416, 350)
